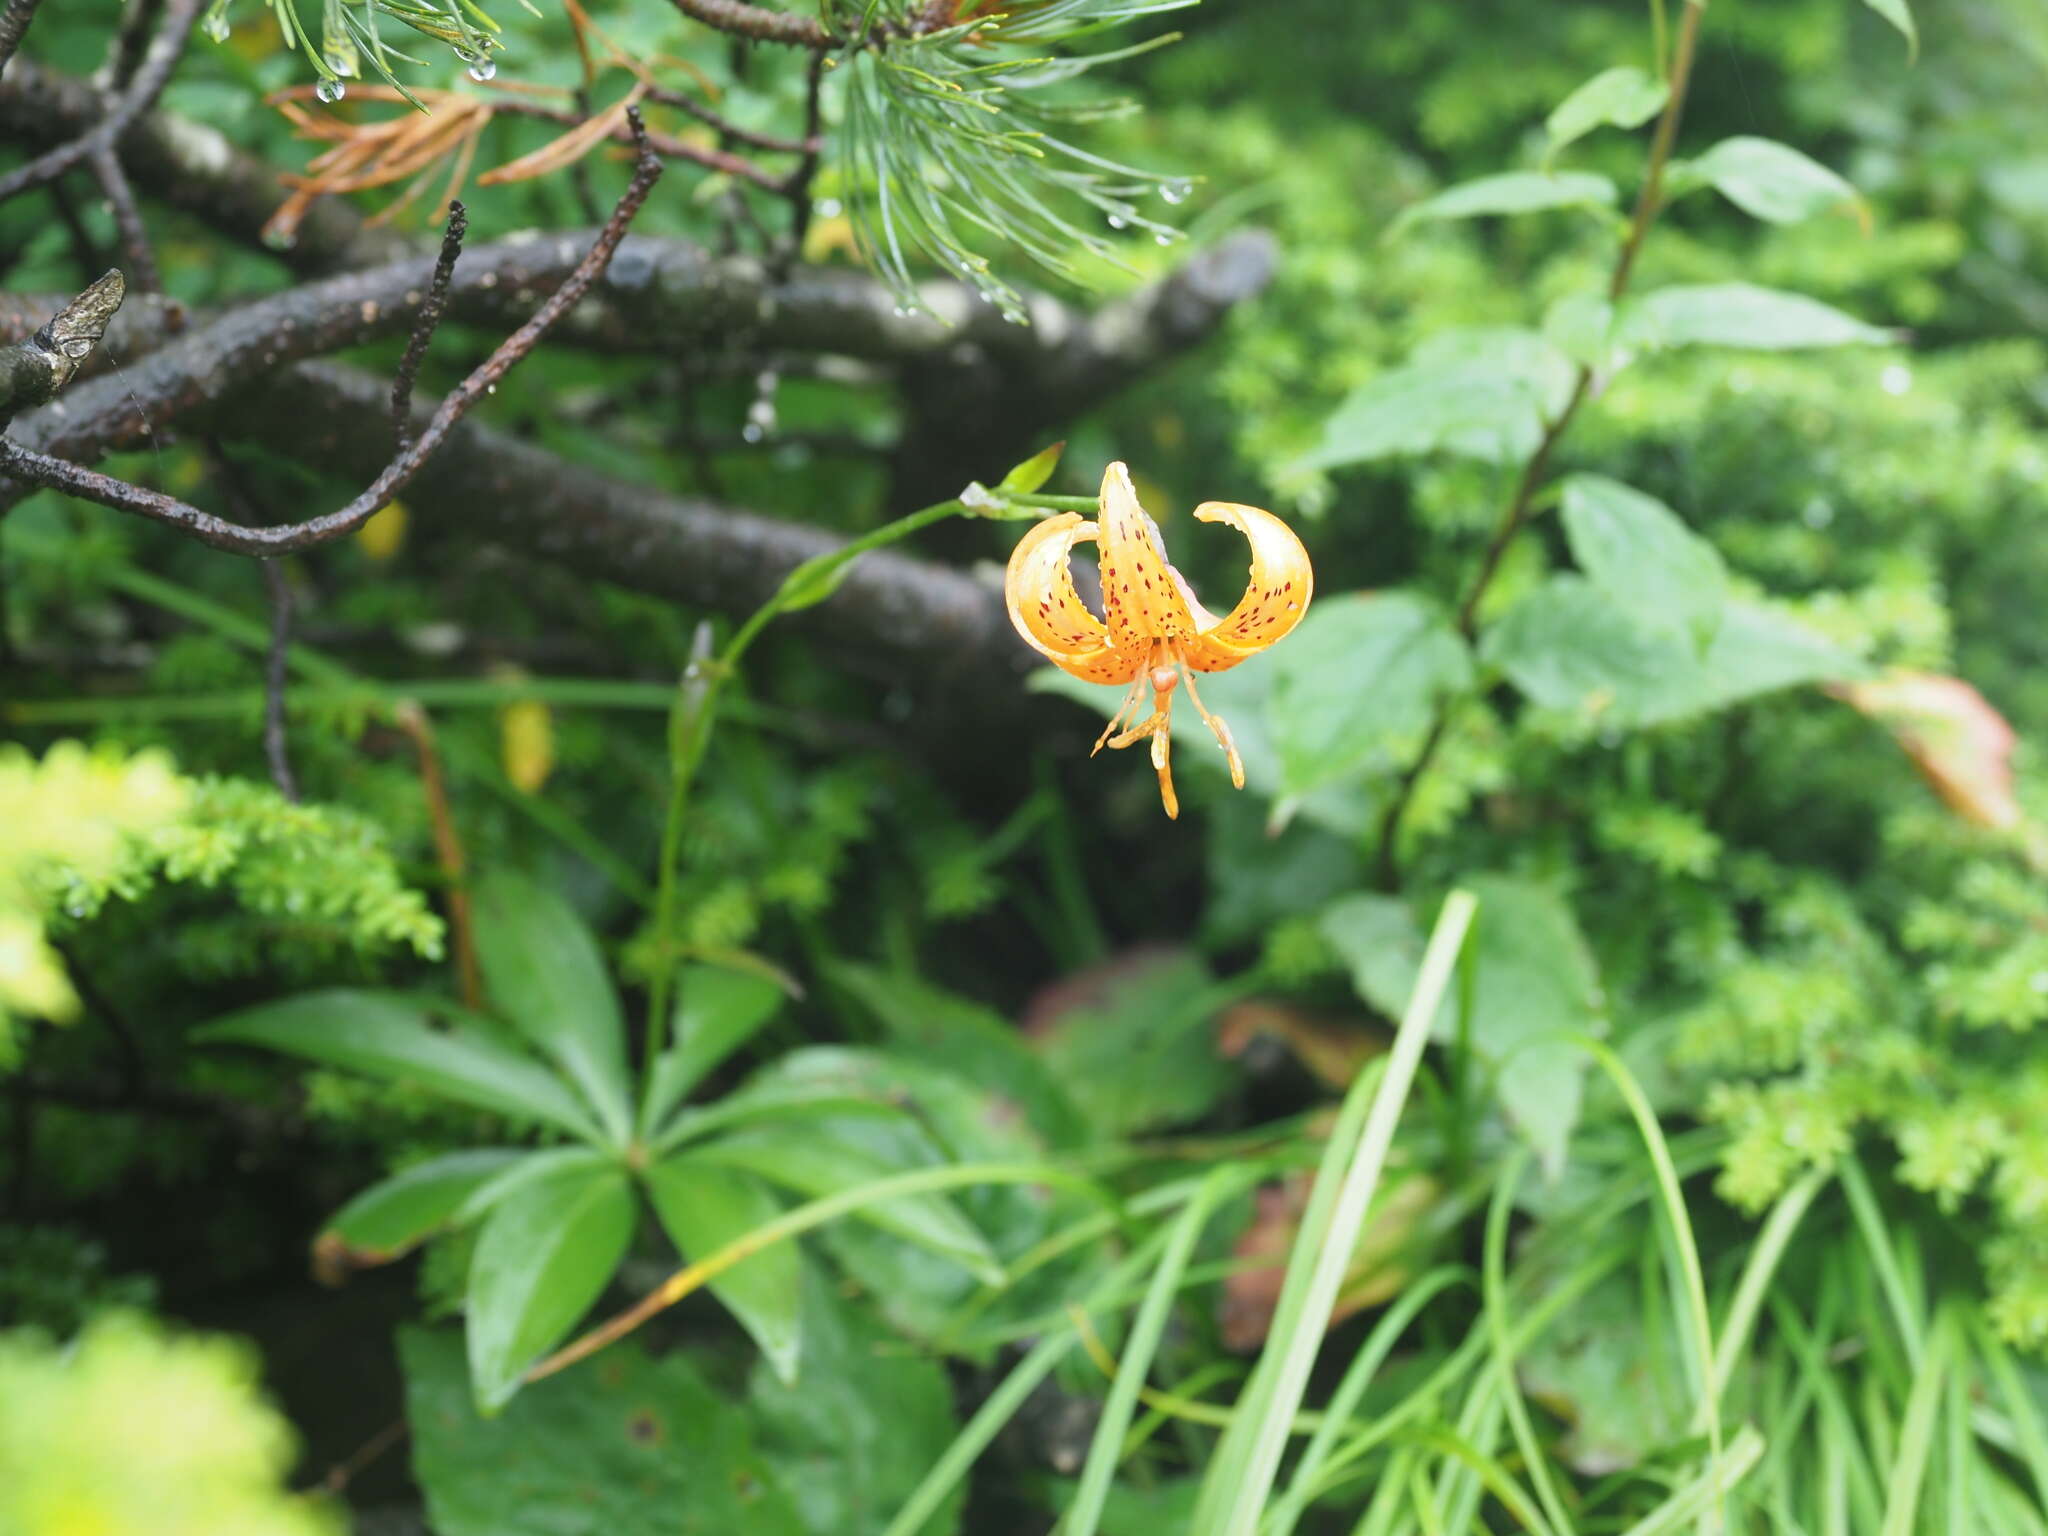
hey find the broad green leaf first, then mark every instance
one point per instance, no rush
(814, 1161)
(390, 1036)
(856, 1436)
(1643, 556)
(622, 1446)
(1356, 686)
(1133, 1041)
(1769, 181)
(1623, 97)
(1509, 192)
(395, 1214)
(1533, 984)
(1589, 1367)
(529, 1169)
(1570, 646)
(544, 972)
(703, 1207)
(980, 1046)
(1900, 15)
(543, 1255)
(717, 1012)
(1740, 315)
(1485, 394)
(1581, 326)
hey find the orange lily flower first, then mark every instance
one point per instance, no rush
(1154, 632)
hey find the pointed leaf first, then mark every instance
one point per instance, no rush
(1770, 181)
(394, 1215)
(1961, 745)
(1034, 471)
(1642, 555)
(1900, 15)
(703, 1207)
(814, 1163)
(1740, 315)
(548, 978)
(1484, 393)
(542, 1257)
(717, 1012)
(1509, 192)
(390, 1036)
(1621, 98)
(528, 1170)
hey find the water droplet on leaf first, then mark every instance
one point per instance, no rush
(1118, 221)
(330, 91)
(482, 70)
(1177, 191)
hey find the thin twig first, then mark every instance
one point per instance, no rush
(432, 307)
(14, 26)
(342, 1472)
(155, 73)
(275, 670)
(1530, 482)
(220, 533)
(666, 145)
(757, 23)
(124, 53)
(142, 272)
(682, 101)
(447, 848)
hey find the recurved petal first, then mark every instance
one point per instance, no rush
(1274, 600)
(1049, 613)
(1141, 593)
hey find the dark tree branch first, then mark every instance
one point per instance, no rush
(426, 322)
(34, 370)
(124, 53)
(41, 469)
(191, 167)
(150, 79)
(757, 23)
(668, 298)
(908, 615)
(14, 26)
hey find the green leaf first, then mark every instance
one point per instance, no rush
(545, 974)
(390, 1036)
(413, 1204)
(818, 1160)
(1740, 315)
(1900, 15)
(530, 1168)
(1509, 192)
(1485, 394)
(1590, 1368)
(980, 1046)
(1623, 97)
(1533, 982)
(1356, 686)
(815, 580)
(704, 1207)
(717, 1012)
(625, 1446)
(1034, 471)
(1769, 181)
(1581, 326)
(1131, 1039)
(855, 1438)
(1570, 646)
(1642, 555)
(543, 1255)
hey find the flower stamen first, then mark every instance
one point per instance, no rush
(1214, 722)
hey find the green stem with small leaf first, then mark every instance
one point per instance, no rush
(697, 699)
(1529, 483)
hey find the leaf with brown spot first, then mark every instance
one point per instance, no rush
(1335, 1050)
